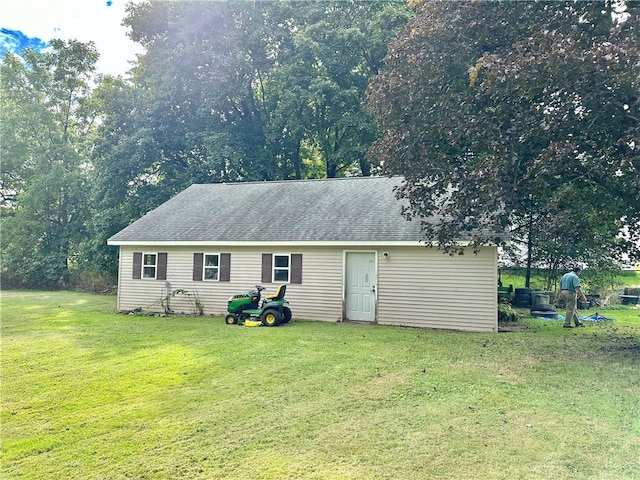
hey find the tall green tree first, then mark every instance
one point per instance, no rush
(240, 91)
(190, 113)
(234, 91)
(518, 116)
(339, 45)
(46, 127)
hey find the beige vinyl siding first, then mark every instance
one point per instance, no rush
(422, 287)
(319, 297)
(140, 293)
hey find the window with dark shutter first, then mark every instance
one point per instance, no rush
(137, 265)
(225, 267)
(266, 267)
(296, 268)
(197, 267)
(162, 266)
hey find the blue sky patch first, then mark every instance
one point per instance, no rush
(15, 41)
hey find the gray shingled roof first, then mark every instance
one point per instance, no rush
(333, 210)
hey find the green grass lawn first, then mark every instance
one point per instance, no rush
(91, 394)
(593, 282)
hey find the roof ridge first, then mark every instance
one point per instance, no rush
(302, 180)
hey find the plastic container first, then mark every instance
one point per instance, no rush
(522, 297)
(540, 299)
(534, 294)
(583, 305)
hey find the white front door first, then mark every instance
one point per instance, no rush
(360, 286)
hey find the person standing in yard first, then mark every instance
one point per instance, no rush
(569, 291)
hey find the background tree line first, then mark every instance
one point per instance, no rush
(516, 113)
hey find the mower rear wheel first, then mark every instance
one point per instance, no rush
(271, 318)
(286, 315)
(231, 319)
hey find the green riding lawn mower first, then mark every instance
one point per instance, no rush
(249, 309)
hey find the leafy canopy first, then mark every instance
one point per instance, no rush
(47, 130)
(518, 116)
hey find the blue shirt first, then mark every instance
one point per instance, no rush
(569, 281)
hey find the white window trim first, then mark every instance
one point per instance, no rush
(273, 267)
(204, 267)
(155, 266)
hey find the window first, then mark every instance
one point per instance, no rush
(211, 266)
(281, 265)
(281, 268)
(149, 265)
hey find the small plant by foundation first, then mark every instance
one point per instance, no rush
(506, 313)
(194, 300)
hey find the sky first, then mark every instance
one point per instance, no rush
(32, 23)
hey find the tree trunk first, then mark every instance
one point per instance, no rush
(527, 282)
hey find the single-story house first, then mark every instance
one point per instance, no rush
(342, 247)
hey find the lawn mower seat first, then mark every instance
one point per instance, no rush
(279, 295)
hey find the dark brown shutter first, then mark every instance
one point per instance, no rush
(137, 265)
(225, 267)
(296, 268)
(267, 274)
(162, 267)
(197, 266)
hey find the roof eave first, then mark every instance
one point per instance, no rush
(275, 243)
